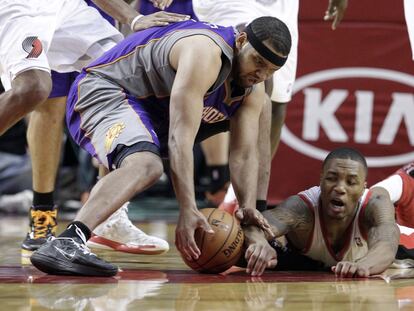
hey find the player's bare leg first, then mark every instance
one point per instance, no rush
(44, 136)
(29, 89)
(216, 152)
(68, 254)
(118, 233)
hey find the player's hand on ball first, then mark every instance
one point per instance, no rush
(251, 216)
(158, 19)
(188, 222)
(260, 256)
(349, 269)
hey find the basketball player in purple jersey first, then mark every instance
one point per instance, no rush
(155, 94)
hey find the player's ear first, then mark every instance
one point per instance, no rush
(241, 39)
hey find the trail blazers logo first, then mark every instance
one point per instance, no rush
(33, 46)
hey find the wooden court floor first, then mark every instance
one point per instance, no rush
(163, 282)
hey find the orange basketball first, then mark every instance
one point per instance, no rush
(221, 250)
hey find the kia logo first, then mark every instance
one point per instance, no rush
(319, 113)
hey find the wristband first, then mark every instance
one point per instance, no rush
(261, 205)
(134, 21)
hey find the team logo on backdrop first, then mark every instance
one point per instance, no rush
(357, 106)
(33, 46)
(113, 132)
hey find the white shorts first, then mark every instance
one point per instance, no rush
(63, 35)
(235, 12)
(409, 18)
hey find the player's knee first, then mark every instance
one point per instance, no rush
(155, 170)
(32, 92)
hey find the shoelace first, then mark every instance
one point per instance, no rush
(42, 221)
(85, 250)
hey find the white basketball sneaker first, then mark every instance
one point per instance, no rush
(118, 233)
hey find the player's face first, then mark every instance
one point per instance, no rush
(342, 185)
(250, 67)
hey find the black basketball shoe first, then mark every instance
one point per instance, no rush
(404, 258)
(42, 225)
(69, 256)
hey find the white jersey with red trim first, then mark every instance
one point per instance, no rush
(355, 246)
(62, 35)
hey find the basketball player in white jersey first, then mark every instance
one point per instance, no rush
(233, 12)
(37, 36)
(339, 223)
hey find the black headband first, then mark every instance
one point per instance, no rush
(262, 49)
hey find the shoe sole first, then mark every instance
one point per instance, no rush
(52, 266)
(100, 243)
(403, 263)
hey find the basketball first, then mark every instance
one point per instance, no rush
(221, 250)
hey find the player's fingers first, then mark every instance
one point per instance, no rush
(252, 260)
(206, 227)
(261, 264)
(337, 19)
(239, 214)
(345, 270)
(362, 273)
(351, 272)
(175, 15)
(167, 3)
(191, 248)
(248, 252)
(272, 263)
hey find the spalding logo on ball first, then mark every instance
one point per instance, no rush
(221, 250)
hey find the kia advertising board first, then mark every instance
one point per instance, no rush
(354, 87)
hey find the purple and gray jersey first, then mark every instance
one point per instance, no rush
(123, 97)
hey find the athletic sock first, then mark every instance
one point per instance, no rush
(77, 229)
(219, 175)
(43, 201)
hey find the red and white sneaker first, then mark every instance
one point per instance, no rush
(118, 233)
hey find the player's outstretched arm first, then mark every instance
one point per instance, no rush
(243, 158)
(291, 215)
(197, 61)
(335, 12)
(383, 238)
(125, 14)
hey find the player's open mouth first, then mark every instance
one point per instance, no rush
(337, 204)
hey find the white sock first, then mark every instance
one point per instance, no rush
(230, 195)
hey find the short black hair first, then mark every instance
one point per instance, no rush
(347, 153)
(275, 31)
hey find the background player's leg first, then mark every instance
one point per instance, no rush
(216, 153)
(120, 234)
(44, 137)
(29, 89)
